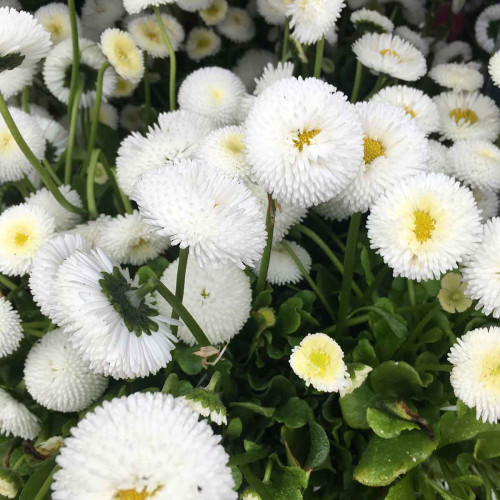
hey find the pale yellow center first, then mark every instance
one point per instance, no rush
(7, 142)
(372, 150)
(490, 373)
(151, 31)
(213, 10)
(467, 114)
(217, 94)
(20, 238)
(320, 362)
(304, 138)
(409, 111)
(203, 42)
(139, 244)
(424, 225)
(125, 53)
(234, 144)
(390, 52)
(55, 27)
(132, 495)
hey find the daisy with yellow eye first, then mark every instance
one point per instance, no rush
(319, 361)
(54, 17)
(452, 294)
(425, 226)
(201, 43)
(237, 26)
(215, 13)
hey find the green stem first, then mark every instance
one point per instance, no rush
(419, 328)
(320, 49)
(25, 99)
(350, 322)
(45, 487)
(357, 82)
(5, 282)
(349, 259)
(286, 41)
(181, 280)
(308, 278)
(28, 184)
(34, 332)
(411, 293)
(147, 99)
(214, 382)
(91, 203)
(72, 133)
(47, 180)
(325, 227)
(114, 182)
(248, 458)
(51, 172)
(171, 52)
(255, 483)
(75, 68)
(378, 85)
(266, 256)
(35, 324)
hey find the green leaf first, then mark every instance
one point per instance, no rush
(294, 414)
(320, 446)
(288, 320)
(396, 326)
(396, 379)
(487, 447)
(354, 406)
(10, 61)
(387, 426)
(384, 460)
(261, 410)
(189, 362)
(402, 490)
(37, 483)
(264, 299)
(234, 428)
(469, 480)
(365, 353)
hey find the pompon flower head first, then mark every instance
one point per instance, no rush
(494, 68)
(319, 361)
(193, 5)
(10, 483)
(372, 21)
(215, 13)
(177, 456)
(437, 160)
(55, 135)
(237, 26)
(146, 33)
(15, 419)
(304, 141)
(475, 378)
(457, 76)
(23, 230)
(456, 51)
(251, 65)
(129, 240)
(391, 55)
(201, 43)
(219, 300)
(136, 6)
(485, 37)
(282, 268)
(395, 148)
(46, 263)
(177, 134)
(63, 219)
(58, 63)
(270, 13)
(13, 163)
(358, 374)
(57, 378)
(119, 333)
(90, 229)
(54, 17)
(23, 43)
(207, 404)
(452, 294)
(212, 92)
(425, 226)
(101, 14)
(334, 209)
(124, 88)
(11, 331)
(310, 20)
(273, 74)
(198, 208)
(123, 54)
(417, 104)
(108, 115)
(414, 38)
(468, 115)
(487, 202)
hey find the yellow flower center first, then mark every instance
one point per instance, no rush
(320, 362)
(237, 19)
(6, 141)
(490, 374)
(21, 238)
(391, 52)
(304, 138)
(205, 294)
(409, 111)
(151, 31)
(459, 114)
(133, 495)
(203, 42)
(213, 10)
(234, 144)
(55, 27)
(139, 244)
(373, 149)
(424, 225)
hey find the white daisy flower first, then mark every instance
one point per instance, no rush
(54, 17)
(136, 6)
(437, 160)
(247, 101)
(15, 419)
(237, 26)
(218, 299)
(55, 135)
(124, 88)
(215, 13)
(414, 38)
(10, 482)
(303, 140)
(273, 74)
(146, 33)
(207, 404)
(11, 331)
(15, 80)
(13, 164)
(270, 13)
(201, 43)
(319, 361)
(310, 21)
(193, 5)
(251, 65)
(475, 378)
(335, 209)
(494, 68)
(282, 268)
(122, 53)
(456, 51)
(120, 334)
(131, 118)
(212, 92)
(108, 115)
(457, 76)
(389, 54)
(359, 373)
(46, 263)
(177, 134)
(175, 455)
(371, 20)
(424, 226)
(198, 208)
(58, 65)
(90, 229)
(23, 230)
(485, 38)
(488, 203)
(57, 378)
(101, 14)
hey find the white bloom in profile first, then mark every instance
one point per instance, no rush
(55, 135)
(494, 68)
(475, 378)
(452, 294)
(457, 76)
(119, 333)
(124, 88)
(57, 378)
(358, 374)
(177, 134)
(371, 20)
(108, 115)
(11, 331)
(90, 229)
(201, 43)
(23, 43)
(237, 26)
(15, 419)
(319, 361)
(456, 51)
(45, 265)
(304, 141)
(199, 208)
(468, 115)
(10, 482)
(309, 21)
(212, 92)
(390, 54)
(13, 164)
(414, 38)
(218, 299)
(101, 14)
(57, 66)
(24, 229)
(437, 160)
(193, 5)
(215, 13)
(175, 455)
(123, 54)
(136, 6)
(63, 219)
(146, 33)
(425, 226)
(273, 74)
(251, 65)
(54, 17)
(485, 36)
(207, 404)
(488, 203)
(272, 15)
(416, 103)
(131, 118)
(282, 268)
(129, 240)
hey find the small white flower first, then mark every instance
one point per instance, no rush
(15, 419)
(136, 6)
(457, 76)
(451, 296)
(359, 374)
(456, 51)
(494, 68)
(251, 65)
(193, 5)
(414, 38)
(131, 118)
(55, 135)
(237, 26)
(273, 74)
(124, 88)
(54, 17)
(270, 13)
(437, 161)
(215, 13)
(489, 16)
(488, 203)
(201, 43)
(371, 20)
(108, 115)
(90, 229)
(101, 14)
(11, 331)
(10, 483)
(207, 404)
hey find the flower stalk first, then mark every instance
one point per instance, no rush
(181, 280)
(320, 49)
(266, 256)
